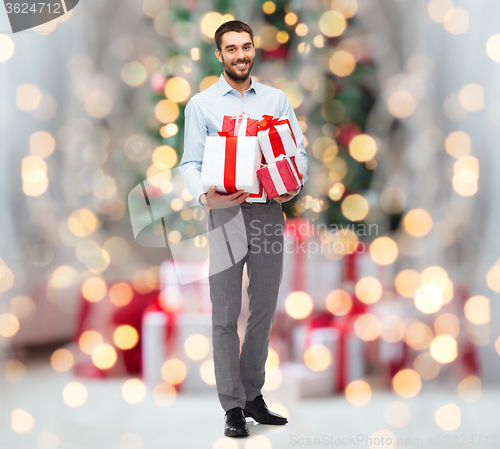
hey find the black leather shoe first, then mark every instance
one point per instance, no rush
(257, 409)
(236, 425)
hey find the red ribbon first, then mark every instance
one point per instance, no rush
(229, 162)
(268, 122)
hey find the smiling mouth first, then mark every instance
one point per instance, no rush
(241, 65)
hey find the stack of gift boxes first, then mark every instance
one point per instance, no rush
(260, 157)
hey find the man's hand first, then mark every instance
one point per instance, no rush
(214, 200)
(288, 196)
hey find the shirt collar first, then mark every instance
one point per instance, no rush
(225, 87)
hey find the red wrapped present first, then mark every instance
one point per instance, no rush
(231, 163)
(280, 177)
(276, 137)
(240, 125)
(103, 318)
(347, 351)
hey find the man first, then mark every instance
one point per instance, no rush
(240, 379)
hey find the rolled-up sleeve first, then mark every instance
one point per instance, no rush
(195, 133)
(286, 109)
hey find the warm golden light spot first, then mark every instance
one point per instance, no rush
(145, 280)
(407, 283)
(428, 299)
(477, 310)
(195, 53)
(197, 346)
(342, 63)
(9, 325)
(75, 394)
(15, 370)
(458, 144)
(120, 294)
(291, 18)
(6, 278)
(104, 356)
(426, 366)
(298, 305)
(347, 7)
(210, 22)
(338, 302)
(164, 157)
(21, 421)
(7, 48)
(447, 324)
(437, 9)
(492, 47)
(418, 336)
(82, 222)
(301, 29)
(173, 371)
(368, 290)
(469, 389)
(367, 327)
(332, 23)
(471, 97)
(177, 89)
(417, 222)
(358, 392)
(133, 391)
(355, 207)
(134, 74)
(294, 93)
(28, 97)
(42, 144)
(444, 349)
(319, 41)
(401, 104)
(94, 289)
(89, 340)
(164, 394)
(317, 357)
(273, 380)
(268, 7)
(282, 37)
(125, 337)
(383, 250)
(268, 37)
(456, 21)
(166, 111)
(272, 361)
(448, 417)
(62, 360)
(64, 277)
(98, 104)
(336, 191)
(406, 383)
(207, 372)
(393, 328)
(208, 81)
(363, 147)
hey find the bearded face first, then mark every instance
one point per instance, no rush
(237, 55)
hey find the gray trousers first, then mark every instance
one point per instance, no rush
(241, 377)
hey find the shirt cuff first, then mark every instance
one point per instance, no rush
(199, 198)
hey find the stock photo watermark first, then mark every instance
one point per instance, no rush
(452, 440)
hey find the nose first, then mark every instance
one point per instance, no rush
(240, 54)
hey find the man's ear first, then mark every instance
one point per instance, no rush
(218, 54)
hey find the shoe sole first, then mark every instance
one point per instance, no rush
(236, 435)
(266, 423)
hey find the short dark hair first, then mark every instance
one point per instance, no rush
(232, 25)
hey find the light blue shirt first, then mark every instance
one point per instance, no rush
(204, 115)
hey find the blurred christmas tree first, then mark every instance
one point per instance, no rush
(318, 56)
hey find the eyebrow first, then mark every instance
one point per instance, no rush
(244, 45)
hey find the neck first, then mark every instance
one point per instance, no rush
(240, 86)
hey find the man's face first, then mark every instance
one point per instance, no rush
(237, 55)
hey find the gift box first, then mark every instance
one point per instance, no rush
(240, 125)
(104, 317)
(280, 177)
(184, 286)
(231, 163)
(348, 352)
(276, 137)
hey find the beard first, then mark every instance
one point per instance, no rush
(234, 74)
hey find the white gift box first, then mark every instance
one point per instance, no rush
(184, 286)
(226, 158)
(277, 139)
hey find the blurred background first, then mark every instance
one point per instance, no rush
(386, 326)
